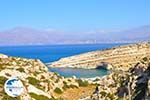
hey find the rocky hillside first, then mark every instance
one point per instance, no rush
(39, 84)
(133, 84)
(122, 57)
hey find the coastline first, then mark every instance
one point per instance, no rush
(39, 81)
(121, 57)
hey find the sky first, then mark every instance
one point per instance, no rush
(74, 15)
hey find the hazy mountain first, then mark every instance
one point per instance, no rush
(29, 36)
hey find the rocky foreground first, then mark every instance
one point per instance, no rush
(39, 83)
(122, 57)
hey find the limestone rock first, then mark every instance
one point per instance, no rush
(122, 57)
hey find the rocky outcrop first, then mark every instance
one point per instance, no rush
(133, 84)
(38, 81)
(122, 57)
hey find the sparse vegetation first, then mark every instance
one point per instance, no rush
(73, 86)
(39, 97)
(111, 96)
(57, 80)
(1, 67)
(7, 97)
(64, 82)
(35, 82)
(69, 86)
(58, 90)
(82, 83)
(145, 59)
(2, 80)
(65, 86)
(103, 93)
(21, 69)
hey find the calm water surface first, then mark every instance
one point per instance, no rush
(80, 73)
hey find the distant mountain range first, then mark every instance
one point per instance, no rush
(29, 36)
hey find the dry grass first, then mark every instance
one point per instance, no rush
(76, 93)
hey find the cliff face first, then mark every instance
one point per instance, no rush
(117, 57)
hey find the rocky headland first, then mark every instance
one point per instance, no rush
(121, 57)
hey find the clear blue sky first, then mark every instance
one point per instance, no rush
(74, 14)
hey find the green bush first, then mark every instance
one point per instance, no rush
(69, 86)
(39, 97)
(82, 83)
(58, 90)
(2, 80)
(65, 86)
(73, 86)
(33, 81)
(145, 59)
(2, 67)
(111, 96)
(103, 93)
(21, 69)
(64, 82)
(55, 73)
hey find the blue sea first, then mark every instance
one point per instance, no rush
(50, 53)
